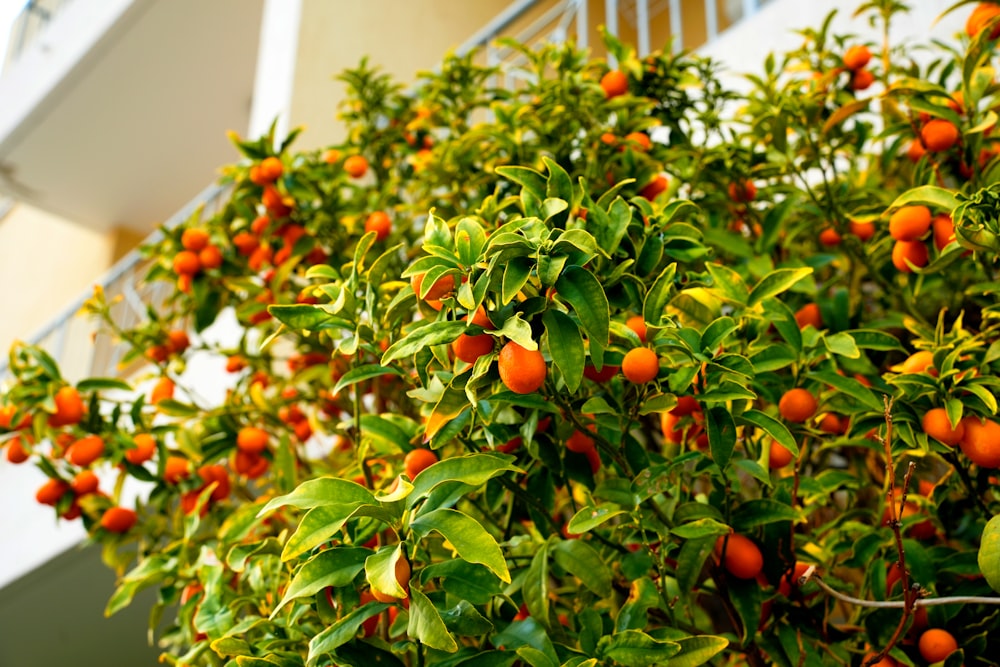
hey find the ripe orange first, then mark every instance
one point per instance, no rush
(580, 442)
(638, 141)
(786, 583)
(909, 223)
(118, 520)
(743, 558)
(905, 253)
(809, 315)
(51, 491)
(637, 324)
(981, 442)
(605, 374)
(402, 578)
(277, 205)
(176, 468)
(936, 425)
(655, 187)
(252, 439)
(246, 243)
(177, 341)
(249, 465)
(441, 288)
(521, 370)
(85, 451)
(862, 79)
(779, 456)
(944, 230)
(614, 83)
(915, 151)
(939, 135)
(857, 57)
(831, 423)
(936, 644)
(186, 263)
(380, 223)
(641, 365)
(829, 237)
(863, 230)
(16, 453)
(918, 362)
(356, 166)
(271, 169)
(162, 390)
(417, 460)
(215, 473)
(797, 405)
(194, 239)
(85, 482)
(69, 407)
(743, 192)
(470, 348)
(210, 257)
(980, 16)
(686, 405)
(145, 447)
(887, 661)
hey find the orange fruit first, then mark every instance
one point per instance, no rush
(118, 520)
(829, 237)
(470, 348)
(51, 491)
(580, 442)
(215, 473)
(935, 644)
(786, 583)
(936, 425)
(210, 257)
(830, 423)
(909, 223)
(944, 230)
(85, 482)
(177, 341)
(249, 465)
(380, 223)
(862, 79)
(939, 135)
(186, 263)
(742, 192)
(655, 187)
(641, 365)
(779, 456)
(252, 439)
(638, 141)
(605, 374)
(356, 166)
(742, 558)
(402, 570)
(918, 362)
(162, 390)
(809, 315)
(863, 230)
(980, 16)
(417, 460)
(887, 661)
(246, 243)
(637, 324)
(797, 405)
(915, 151)
(686, 405)
(277, 205)
(521, 370)
(609, 139)
(69, 407)
(905, 253)
(145, 447)
(441, 288)
(85, 451)
(271, 169)
(194, 239)
(981, 442)
(857, 57)
(16, 453)
(614, 83)
(176, 468)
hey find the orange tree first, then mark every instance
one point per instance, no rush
(608, 368)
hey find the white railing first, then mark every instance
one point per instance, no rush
(29, 24)
(558, 22)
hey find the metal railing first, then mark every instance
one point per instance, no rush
(29, 24)
(555, 22)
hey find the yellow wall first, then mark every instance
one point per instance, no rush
(47, 263)
(402, 36)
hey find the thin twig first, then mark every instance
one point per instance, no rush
(810, 575)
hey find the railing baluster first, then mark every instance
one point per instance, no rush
(611, 25)
(676, 27)
(750, 8)
(642, 26)
(582, 24)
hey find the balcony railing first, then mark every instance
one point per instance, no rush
(528, 21)
(29, 24)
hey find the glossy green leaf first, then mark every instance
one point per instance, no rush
(654, 307)
(322, 491)
(582, 561)
(775, 283)
(333, 567)
(472, 469)
(721, 434)
(704, 527)
(773, 427)
(380, 571)
(697, 650)
(588, 518)
(850, 387)
(535, 588)
(469, 539)
(362, 373)
(434, 333)
(342, 631)
(581, 289)
(426, 626)
(633, 648)
(565, 346)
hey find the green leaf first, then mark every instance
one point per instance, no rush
(515, 274)
(434, 333)
(654, 306)
(690, 561)
(472, 469)
(149, 571)
(589, 518)
(535, 588)
(469, 539)
(704, 527)
(871, 339)
(362, 373)
(333, 567)
(101, 384)
(322, 523)
(775, 283)
(583, 562)
(565, 346)
(526, 633)
(633, 648)
(843, 344)
(380, 571)
(697, 650)
(322, 491)
(301, 316)
(581, 289)
(529, 179)
(721, 434)
(426, 626)
(773, 427)
(342, 631)
(849, 386)
(465, 620)
(761, 511)
(933, 196)
(728, 283)
(989, 553)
